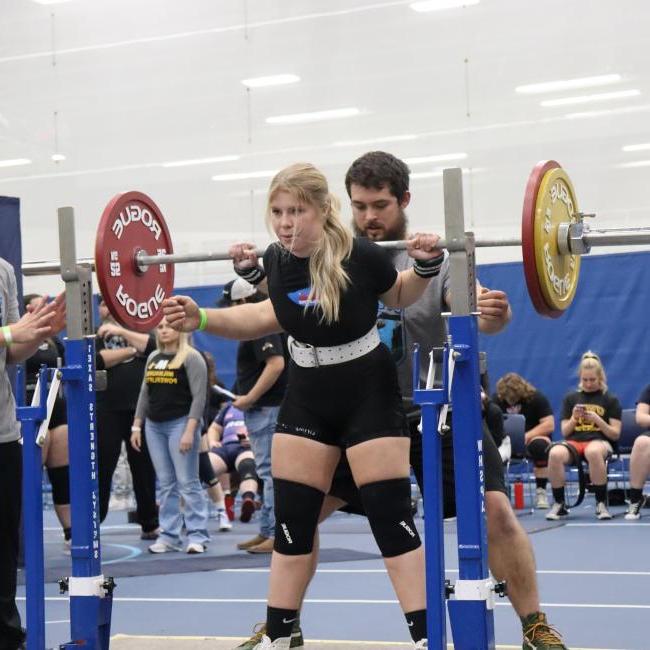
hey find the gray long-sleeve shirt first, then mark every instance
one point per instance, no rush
(9, 426)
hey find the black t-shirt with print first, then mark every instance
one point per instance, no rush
(644, 398)
(533, 409)
(604, 404)
(251, 360)
(169, 392)
(371, 273)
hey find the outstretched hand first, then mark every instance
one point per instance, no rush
(422, 246)
(492, 304)
(182, 313)
(40, 321)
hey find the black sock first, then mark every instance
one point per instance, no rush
(248, 495)
(279, 622)
(417, 622)
(601, 493)
(541, 482)
(636, 496)
(558, 494)
(67, 534)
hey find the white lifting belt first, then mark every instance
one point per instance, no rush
(309, 356)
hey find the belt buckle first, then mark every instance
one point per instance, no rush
(314, 354)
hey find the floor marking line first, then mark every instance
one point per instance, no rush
(334, 601)
(604, 525)
(117, 637)
(383, 571)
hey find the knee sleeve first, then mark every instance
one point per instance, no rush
(206, 473)
(297, 507)
(538, 449)
(388, 507)
(60, 481)
(246, 470)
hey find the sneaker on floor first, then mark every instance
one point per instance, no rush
(249, 543)
(230, 506)
(634, 510)
(557, 511)
(247, 510)
(541, 500)
(265, 547)
(194, 548)
(602, 512)
(283, 643)
(149, 534)
(163, 547)
(297, 641)
(539, 635)
(223, 520)
(421, 645)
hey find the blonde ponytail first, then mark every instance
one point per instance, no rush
(591, 361)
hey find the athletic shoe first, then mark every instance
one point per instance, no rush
(265, 547)
(247, 510)
(557, 511)
(230, 506)
(541, 500)
(249, 543)
(601, 511)
(297, 641)
(421, 645)
(163, 547)
(539, 635)
(279, 644)
(223, 521)
(194, 548)
(634, 509)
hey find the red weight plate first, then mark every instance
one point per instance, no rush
(132, 222)
(528, 238)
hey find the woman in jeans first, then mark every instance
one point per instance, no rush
(172, 399)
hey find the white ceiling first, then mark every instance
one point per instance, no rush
(137, 83)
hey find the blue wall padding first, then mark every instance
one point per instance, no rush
(610, 315)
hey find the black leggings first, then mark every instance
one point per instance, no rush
(11, 463)
(114, 427)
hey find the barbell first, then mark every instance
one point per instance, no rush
(134, 255)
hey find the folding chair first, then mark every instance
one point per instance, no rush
(519, 466)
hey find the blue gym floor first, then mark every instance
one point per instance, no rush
(594, 582)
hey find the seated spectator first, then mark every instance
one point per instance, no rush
(591, 422)
(230, 451)
(640, 458)
(516, 395)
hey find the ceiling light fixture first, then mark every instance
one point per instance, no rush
(15, 162)
(440, 158)
(568, 84)
(637, 147)
(388, 138)
(267, 173)
(588, 99)
(58, 157)
(314, 116)
(271, 80)
(636, 163)
(641, 108)
(439, 5)
(199, 161)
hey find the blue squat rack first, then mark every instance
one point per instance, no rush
(470, 600)
(91, 593)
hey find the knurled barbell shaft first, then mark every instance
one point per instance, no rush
(601, 238)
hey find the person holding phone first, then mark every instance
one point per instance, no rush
(591, 422)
